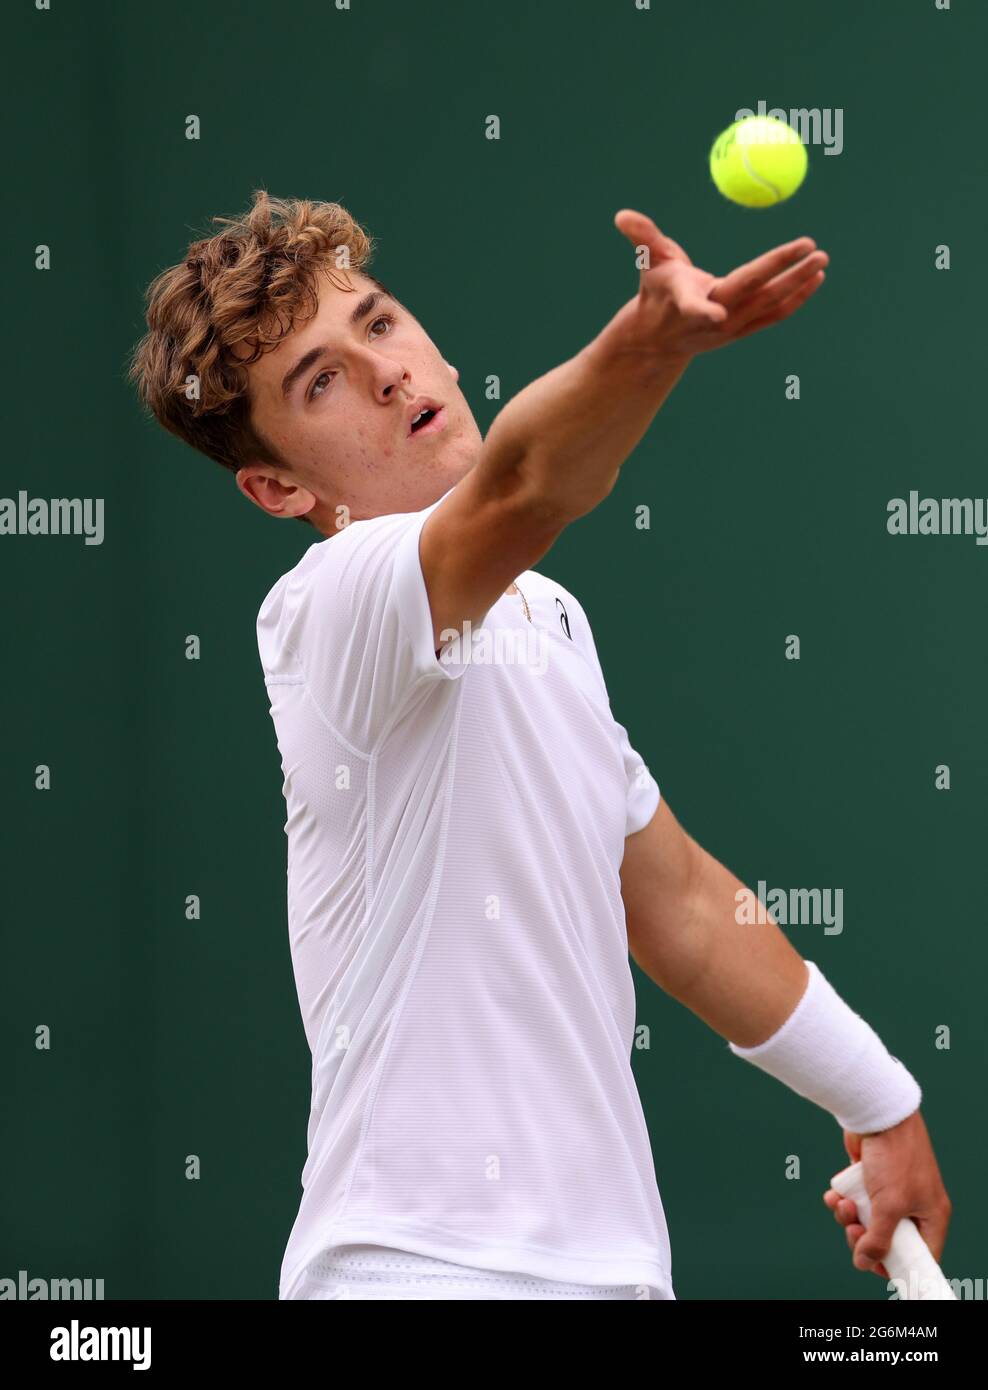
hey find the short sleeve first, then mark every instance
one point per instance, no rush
(353, 620)
(643, 790)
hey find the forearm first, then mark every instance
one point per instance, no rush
(748, 983)
(566, 435)
(743, 981)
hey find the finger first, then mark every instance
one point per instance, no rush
(747, 279)
(642, 231)
(731, 289)
(844, 1211)
(874, 1245)
(854, 1232)
(863, 1262)
(783, 311)
(779, 289)
(847, 1211)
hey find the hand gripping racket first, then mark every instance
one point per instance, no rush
(909, 1261)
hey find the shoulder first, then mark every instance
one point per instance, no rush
(352, 552)
(567, 608)
(345, 595)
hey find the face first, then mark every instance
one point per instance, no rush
(336, 397)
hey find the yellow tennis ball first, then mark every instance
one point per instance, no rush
(758, 162)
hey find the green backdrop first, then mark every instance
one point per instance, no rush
(171, 1037)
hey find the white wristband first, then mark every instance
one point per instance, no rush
(827, 1053)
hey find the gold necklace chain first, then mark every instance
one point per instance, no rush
(528, 612)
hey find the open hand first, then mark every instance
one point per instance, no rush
(682, 310)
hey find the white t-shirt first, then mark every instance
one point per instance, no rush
(455, 835)
(372, 1272)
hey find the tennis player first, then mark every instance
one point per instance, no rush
(473, 844)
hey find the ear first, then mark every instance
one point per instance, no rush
(456, 375)
(261, 484)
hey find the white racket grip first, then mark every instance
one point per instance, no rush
(909, 1261)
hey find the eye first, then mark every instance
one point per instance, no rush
(316, 389)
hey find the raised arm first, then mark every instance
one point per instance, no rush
(555, 450)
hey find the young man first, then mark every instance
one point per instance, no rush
(473, 844)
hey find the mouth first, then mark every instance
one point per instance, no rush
(430, 419)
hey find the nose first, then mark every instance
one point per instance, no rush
(391, 381)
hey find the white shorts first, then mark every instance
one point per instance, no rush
(376, 1272)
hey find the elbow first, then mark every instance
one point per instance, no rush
(553, 493)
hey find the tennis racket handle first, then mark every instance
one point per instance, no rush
(909, 1260)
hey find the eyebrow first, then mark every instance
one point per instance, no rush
(366, 306)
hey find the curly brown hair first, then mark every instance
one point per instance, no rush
(233, 297)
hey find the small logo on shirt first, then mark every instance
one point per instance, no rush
(564, 619)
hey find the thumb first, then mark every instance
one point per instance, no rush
(852, 1143)
(642, 231)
